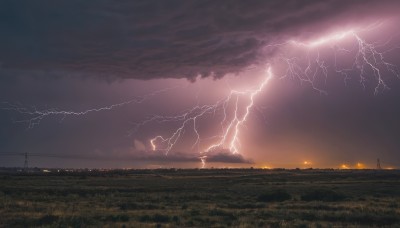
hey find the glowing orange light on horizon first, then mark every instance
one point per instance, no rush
(307, 163)
(344, 166)
(360, 165)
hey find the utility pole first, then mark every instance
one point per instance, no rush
(378, 164)
(26, 162)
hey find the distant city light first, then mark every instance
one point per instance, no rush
(344, 166)
(360, 165)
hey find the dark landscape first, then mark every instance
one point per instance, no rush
(201, 197)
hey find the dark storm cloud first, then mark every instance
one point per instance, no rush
(159, 156)
(225, 156)
(158, 39)
(220, 157)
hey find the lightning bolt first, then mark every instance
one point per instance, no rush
(238, 121)
(367, 58)
(35, 115)
(230, 127)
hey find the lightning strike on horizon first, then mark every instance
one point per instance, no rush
(237, 122)
(230, 133)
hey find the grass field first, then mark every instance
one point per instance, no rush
(202, 198)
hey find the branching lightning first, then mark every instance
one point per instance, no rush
(36, 115)
(230, 128)
(234, 110)
(367, 58)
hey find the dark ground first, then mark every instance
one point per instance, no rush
(201, 198)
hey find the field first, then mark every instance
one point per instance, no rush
(201, 198)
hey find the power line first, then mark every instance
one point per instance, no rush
(26, 162)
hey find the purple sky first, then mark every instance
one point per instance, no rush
(77, 56)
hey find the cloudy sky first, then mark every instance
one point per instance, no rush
(146, 84)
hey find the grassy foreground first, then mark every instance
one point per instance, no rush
(202, 198)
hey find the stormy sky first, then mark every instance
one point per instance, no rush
(101, 70)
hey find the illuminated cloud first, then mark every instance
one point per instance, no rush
(162, 39)
(139, 145)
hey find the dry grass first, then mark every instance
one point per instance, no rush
(202, 198)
